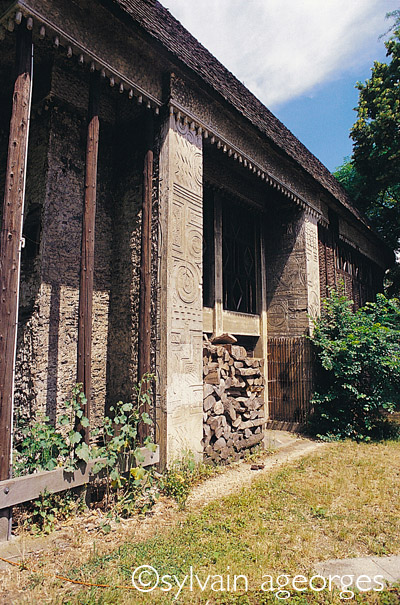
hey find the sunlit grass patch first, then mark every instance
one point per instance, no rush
(339, 502)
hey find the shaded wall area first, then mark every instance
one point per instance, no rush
(287, 300)
(48, 314)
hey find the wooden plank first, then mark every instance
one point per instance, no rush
(241, 323)
(22, 489)
(10, 240)
(84, 369)
(208, 314)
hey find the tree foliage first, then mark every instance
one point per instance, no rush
(358, 373)
(372, 175)
(376, 132)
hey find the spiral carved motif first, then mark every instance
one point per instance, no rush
(186, 283)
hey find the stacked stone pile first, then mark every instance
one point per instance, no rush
(233, 406)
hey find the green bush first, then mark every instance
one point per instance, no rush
(358, 368)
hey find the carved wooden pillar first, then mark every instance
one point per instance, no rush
(180, 411)
(293, 274)
(312, 268)
(10, 248)
(87, 254)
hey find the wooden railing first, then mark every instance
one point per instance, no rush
(29, 487)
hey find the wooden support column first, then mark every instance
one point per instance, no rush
(144, 365)
(87, 254)
(10, 249)
(262, 344)
(218, 327)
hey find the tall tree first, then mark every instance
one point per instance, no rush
(372, 175)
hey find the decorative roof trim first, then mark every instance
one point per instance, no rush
(360, 250)
(61, 39)
(232, 150)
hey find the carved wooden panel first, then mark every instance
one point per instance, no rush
(181, 321)
(311, 245)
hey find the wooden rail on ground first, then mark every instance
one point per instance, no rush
(22, 489)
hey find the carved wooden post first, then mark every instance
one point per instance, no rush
(145, 265)
(87, 255)
(180, 360)
(312, 268)
(10, 248)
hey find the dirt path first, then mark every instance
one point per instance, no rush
(290, 447)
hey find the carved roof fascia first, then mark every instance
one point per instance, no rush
(363, 251)
(43, 26)
(207, 131)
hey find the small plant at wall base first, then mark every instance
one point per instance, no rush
(42, 514)
(121, 453)
(41, 448)
(77, 449)
(183, 474)
(44, 447)
(358, 368)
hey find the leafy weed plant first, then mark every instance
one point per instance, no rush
(182, 475)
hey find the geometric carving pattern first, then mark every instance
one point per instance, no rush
(311, 246)
(181, 307)
(293, 278)
(186, 283)
(277, 315)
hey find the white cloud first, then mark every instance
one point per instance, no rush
(281, 49)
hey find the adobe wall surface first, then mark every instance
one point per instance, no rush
(52, 326)
(47, 338)
(292, 263)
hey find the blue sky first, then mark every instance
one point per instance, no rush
(322, 118)
(301, 58)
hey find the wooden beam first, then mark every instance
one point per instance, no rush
(87, 254)
(10, 248)
(144, 360)
(262, 344)
(10, 241)
(218, 327)
(241, 323)
(22, 489)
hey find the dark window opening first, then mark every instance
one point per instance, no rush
(238, 257)
(208, 248)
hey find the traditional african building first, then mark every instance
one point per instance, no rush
(161, 202)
